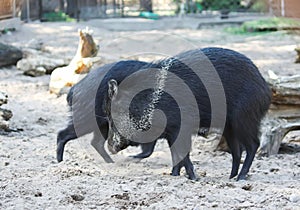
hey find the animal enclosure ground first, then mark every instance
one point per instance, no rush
(30, 177)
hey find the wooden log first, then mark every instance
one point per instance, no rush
(275, 127)
(298, 55)
(283, 115)
(65, 77)
(286, 90)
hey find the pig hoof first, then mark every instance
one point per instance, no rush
(176, 170)
(241, 177)
(193, 177)
(140, 156)
(174, 174)
(232, 176)
(59, 158)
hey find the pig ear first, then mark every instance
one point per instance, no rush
(112, 88)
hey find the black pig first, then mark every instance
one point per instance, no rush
(247, 100)
(82, 119)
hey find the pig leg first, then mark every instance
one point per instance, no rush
(189, 168)
(98, 143)
(251, 151)
(236, 157)
(235, 149)
(62, 138)
(185, 162)
(147, 150)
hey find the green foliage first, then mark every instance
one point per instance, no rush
(149, 15)
(270, 24)
(230, 5)
(240, 31)
(265, 25)
(57, 16)
(260, 6)
(199, 5)
(7, 30)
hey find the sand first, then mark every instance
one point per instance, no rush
(31, 178)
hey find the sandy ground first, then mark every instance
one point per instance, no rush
(30, 177)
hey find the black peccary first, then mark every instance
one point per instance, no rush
(82, 119)
(247, 100)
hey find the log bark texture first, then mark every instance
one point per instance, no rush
(283, 115)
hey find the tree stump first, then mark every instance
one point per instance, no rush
(65, 77)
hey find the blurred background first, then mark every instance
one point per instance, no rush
(49, 10)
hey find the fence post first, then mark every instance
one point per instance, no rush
(282, 8)
(105, 7)
(122, 8)
(77, 11)
(270, 7)
(114, 7)
(40, 10)
(14, 8)
(28, 10)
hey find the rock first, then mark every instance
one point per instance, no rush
(77, 197)
(294, 198)
(124, 196)
(38, 194)
(39, 71)
(38, 61)
(3, 125)
(5, 114)
(3, 98)
(247, 187)
(39, 65)
(9, 55)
